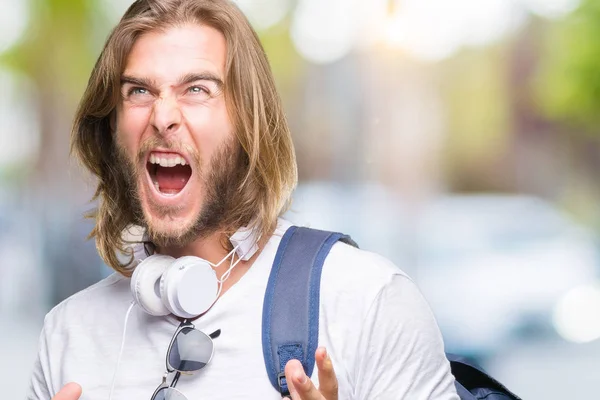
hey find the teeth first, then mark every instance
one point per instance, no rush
(156, 186)
(166, 162)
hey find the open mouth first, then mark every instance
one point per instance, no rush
(169, 172)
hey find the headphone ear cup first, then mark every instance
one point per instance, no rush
(189, 288)
(162, 290)
(144, 284)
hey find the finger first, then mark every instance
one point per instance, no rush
(328, 384)
(292, 368)
(71, 391)
(299, 385)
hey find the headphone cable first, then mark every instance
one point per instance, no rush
(112, 386)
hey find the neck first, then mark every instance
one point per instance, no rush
(211, 249)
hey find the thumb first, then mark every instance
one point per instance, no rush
(71, 391)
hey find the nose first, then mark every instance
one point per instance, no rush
(166, 116)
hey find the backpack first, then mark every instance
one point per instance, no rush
(290, 326)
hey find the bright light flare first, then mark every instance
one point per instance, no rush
(264, 14)
(551, 8)
(434, 29)
(324, 31)
(577, 314)
(14, 15)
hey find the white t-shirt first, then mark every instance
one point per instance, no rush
(379, 332)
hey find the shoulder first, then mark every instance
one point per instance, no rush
(360, 281)
(89, 306)
(353, 267)
(353, 274)
(396, 350)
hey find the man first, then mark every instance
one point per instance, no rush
(183, 128)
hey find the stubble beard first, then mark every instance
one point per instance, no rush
(220, 181)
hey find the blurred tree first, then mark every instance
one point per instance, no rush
(568, 84)
(476, 90)
(57, 54)
(567, 92)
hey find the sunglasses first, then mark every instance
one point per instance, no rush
(190, 351)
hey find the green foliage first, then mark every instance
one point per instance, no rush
(55, 55)
(286, 63)
(56, 50)
(568, 85)
(475, 91)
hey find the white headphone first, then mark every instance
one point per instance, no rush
(186, 286)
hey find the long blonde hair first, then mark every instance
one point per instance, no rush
(252, 102)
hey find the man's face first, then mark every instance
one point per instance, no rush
(173, 134)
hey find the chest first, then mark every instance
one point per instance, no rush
(236, 371)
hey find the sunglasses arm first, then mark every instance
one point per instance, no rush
(175, 379)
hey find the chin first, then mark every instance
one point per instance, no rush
(169, 228)
(166, 234)
(170, 225)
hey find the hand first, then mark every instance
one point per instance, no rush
(71, 391)
(300, 385)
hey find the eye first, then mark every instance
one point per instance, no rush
(197, 90)
(137, 91)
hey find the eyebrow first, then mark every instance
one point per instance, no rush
(186, 79)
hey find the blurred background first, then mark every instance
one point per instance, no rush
(460, 139)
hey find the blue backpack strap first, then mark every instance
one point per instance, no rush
(290, 327)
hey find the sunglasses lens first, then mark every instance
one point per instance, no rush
(191, 350)
(168, 393)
